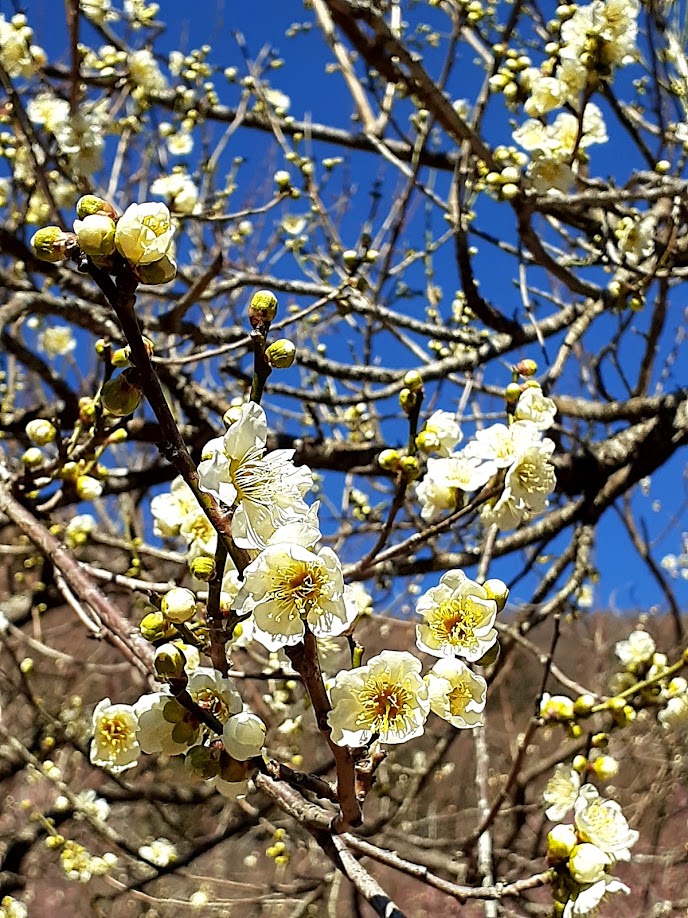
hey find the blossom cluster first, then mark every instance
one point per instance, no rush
(516, 454)
(584, 852)
(663, 688)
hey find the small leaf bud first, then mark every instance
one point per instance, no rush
(121, 396)
(90, 205)
(262, 308)
(497, 590)
(178, 605)
(281, 354)
(40, 431)
(161, 271)
(413, 381)
(88, 488)
(389, 460)
(32, 457)
(52, 244)
(169, 662)
(203, 568)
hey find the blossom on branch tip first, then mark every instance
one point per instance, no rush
(267, 490)
(458, 618)
(456, 694)
(144, 233)
(601, 822)
(387, 698)
(561, 792)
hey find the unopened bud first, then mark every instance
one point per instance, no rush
(161, 271)
(121, 395)
(605, 767)
(410, 467)
(120, 358)
(52, 244)
(91, 205)
(389, 460)
(32, 457)
(40, 431)
(497, 590)
(526, 368)
(561, 840)
(88, 488)
(584, 704)
(282, 179)
(281, 354)
(169, 662)
(427, 441)
(413, 381)
(96, 235)
(203, 568)
(262, 308)
(231, 415)
(87, 409)
(154, 627)
(512, 393)
(178, 605)
(351, 259)
(407, 400)
(579, 764)
(243, 736)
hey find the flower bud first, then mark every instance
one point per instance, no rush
(32, 457)
(40, 431)
(161, 271)
(243, 736)
(96, 235)
(579, 764)
(587, 863)
(51, 243)
(526, 368)
(584, 704)
(556, 707)
(262, 308)
(497, 590)
(605, 767)
(427, 441)
(407, 400)
(413, 380)
(512, 393)
(389, 460)
(351, 259)
(203, 568)
(87, 409)
(281, 354)
(88, 488)
(120, 357)
(169, 662)
(154, 627)
(90, 205)
(410, 467)
(178, 605)
(282, 180)
(120, 395)
(561, 840)
(600, 741)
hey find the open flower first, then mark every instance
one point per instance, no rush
(458, 618)
(114, 744)
(601, 822)
(289, 585)
(386, 698)
(587, 898)
(561, 792)
(535, 407)
(267, 490)
(446, 477)
(456, 694)
(144, 233)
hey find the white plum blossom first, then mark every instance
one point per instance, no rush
(171, 508)
(289, 585)
(587, 864)
(160, 852)
(637, 650)
(587, 898)
(267, 490)
(18, 55)
(606, 29)
(114, 745)
(179, 189)
(456, 694)
(57, 340)
(674, 715)
(458, 618)
(528, 483)
(601, 822)
(446, 477)
(561, 792)
(535, 407)
(144, 233)
(386, 698)
(145, 72)
(441, 433)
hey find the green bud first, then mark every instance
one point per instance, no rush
(413, 381)
(526, 368)
(161, 271)
(281, 354)
(90, 205)
(120, 358)
(584, 704)
(154, 627)
(32, 457)
(512, 393)
(40, 431)
(169, 662)
(262, 308)
(407, 400)
(203, 568)
(410, 467)
(121, 395)
(52, 244)
(389, 460)
(178, 605)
